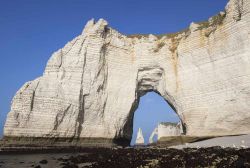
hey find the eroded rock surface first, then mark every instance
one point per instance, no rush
(91, 87)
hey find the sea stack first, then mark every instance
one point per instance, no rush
(139, 138)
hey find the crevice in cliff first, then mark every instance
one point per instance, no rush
(17, 119)
(33, 96)
(61, 59)
(81, 46)
(31, 102)
(102, 76)
(103, 87)
(72, 46)
(64, 54)
(19, 116)
(60, 117)
(102, 61)
(80, 116)
(104, 107)
(239, 10)
(105, 32)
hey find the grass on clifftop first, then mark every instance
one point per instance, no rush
(159, 36)
(215, 21)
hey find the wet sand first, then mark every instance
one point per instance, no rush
(150, 157)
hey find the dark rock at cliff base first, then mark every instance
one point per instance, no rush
(161, 158)
(43, 161)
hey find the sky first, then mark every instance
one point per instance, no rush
(31, 30)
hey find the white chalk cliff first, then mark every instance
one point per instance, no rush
(91, 87)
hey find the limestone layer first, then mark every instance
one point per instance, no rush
(91, 87)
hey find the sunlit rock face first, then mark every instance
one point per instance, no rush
(169, 129)
(91, 87)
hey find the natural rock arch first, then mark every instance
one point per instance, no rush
(91, 87)
(128, 128)
(150, 79)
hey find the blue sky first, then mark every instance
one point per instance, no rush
(31, 30)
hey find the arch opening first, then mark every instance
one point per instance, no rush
(153, 112)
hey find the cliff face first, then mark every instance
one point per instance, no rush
(91, 87)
